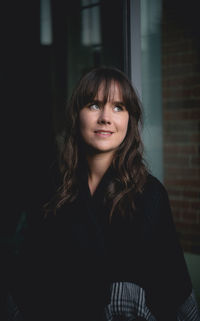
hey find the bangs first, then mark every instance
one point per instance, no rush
(94, 81)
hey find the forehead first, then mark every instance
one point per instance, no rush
(112, 92)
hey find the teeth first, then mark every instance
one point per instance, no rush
(104, 133)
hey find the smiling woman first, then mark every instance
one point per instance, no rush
(107, 248)
(103, 126)
(103, 100)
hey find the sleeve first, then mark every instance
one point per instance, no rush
(168, 282)
(128, 303)
(13, 313)
(189, 309)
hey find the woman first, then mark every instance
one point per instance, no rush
(107, 248)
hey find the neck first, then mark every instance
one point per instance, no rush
(97, 165)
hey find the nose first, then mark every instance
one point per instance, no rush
(105, 116)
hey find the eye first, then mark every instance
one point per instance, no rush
(118, 108)
(94, 107)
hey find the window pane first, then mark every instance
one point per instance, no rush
(93, 38)
(170, 40)
(151, 15)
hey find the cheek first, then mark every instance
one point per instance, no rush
(86, 122)
(82, 125)
(82, 121)
(124, 124)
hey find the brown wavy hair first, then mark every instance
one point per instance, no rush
(129, 170)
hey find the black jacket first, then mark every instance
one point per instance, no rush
(69, 261)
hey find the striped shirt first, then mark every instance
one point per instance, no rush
(128, 303)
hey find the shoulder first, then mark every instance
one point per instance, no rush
(154, 186)
(154, 193)
(153, 205)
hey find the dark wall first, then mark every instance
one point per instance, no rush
(28, 139)
(35, 81)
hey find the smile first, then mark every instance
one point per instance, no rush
(103, 133)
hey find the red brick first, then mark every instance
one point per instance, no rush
(183, 182)
(183, 70)
(176, 216)
(180, 58)
(179, 193)
(189, 229)
(196, 91)
(189, 217)
(195, 161)
(174, 193)
(180, 204)
(195, 205)
(179, 172)
(186, 103)
(181, 130)
(176, 125)
(186, 246)
(176, 40)
(182, 114)
(175, 92)
(178, 47)
(182, 82)
(180, 149)
(174, 160)
(194, 114)
(182, 227)
(191, 234)
(195, 138)
(191, 194)
(179, 138)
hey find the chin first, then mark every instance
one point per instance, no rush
(104, 150)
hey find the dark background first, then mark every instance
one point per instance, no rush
(34, 81)
(34, 95)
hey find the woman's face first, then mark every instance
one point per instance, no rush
(103, 127)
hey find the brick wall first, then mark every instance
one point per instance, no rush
(181, 124)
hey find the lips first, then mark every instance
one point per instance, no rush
(103, 132)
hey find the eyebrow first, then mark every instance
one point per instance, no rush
(118, 103)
